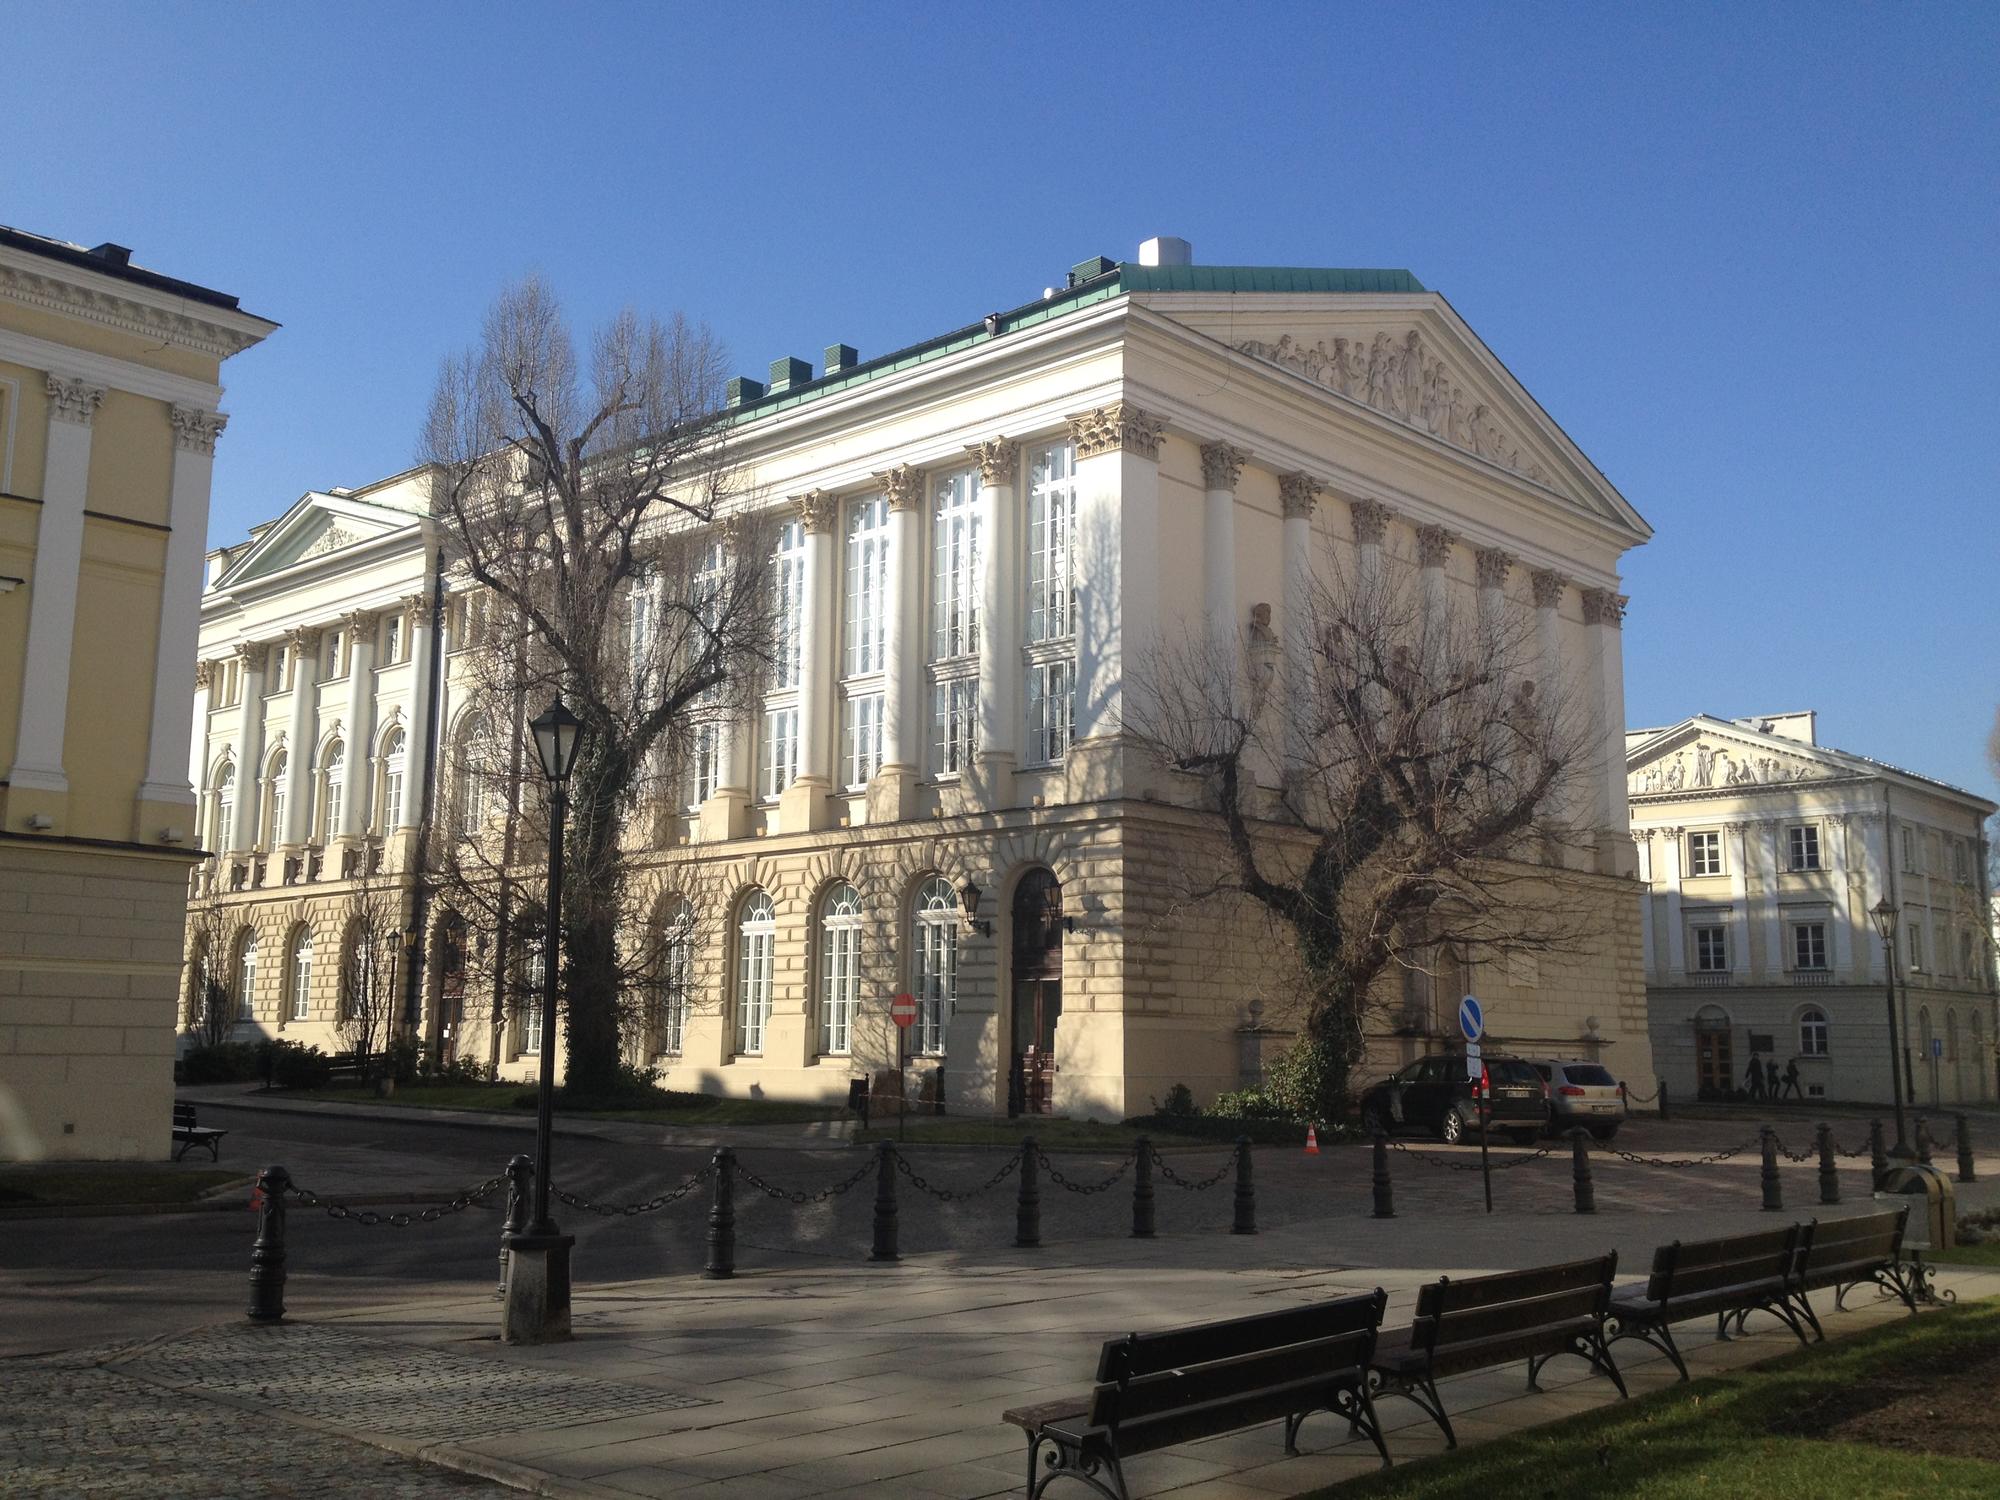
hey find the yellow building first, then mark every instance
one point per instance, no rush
(108, 422)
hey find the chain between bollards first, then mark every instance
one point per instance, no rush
(267, 1255)
(1878, 1156)
(1246, 1191)
(1385, 1202)
(1774, 1190)
(1829, 1171)
(1580, 1179)
(1966, 1170)
(884, 1247)
(520, 1182)
(1142, 1191)
(1028, 1202)
(722, 1219)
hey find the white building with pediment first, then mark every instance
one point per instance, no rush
(1764, 853)
(975, 534)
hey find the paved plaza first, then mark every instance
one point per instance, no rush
(813, 1372)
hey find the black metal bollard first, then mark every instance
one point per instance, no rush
(885, 1202)
(520, 1185)
(267, 1256)
(1579, 1171)
(1246, 1191)
(1878, 1156)
(1774, 1190)
(1385, 1203)
(1663, 1098)
(722, 1219)
(1966, 1170)
(1142, 1191)
(1028, 1205)
(1923, 1140)
(1829, 1173)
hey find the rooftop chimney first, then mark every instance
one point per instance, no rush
(841, 357)
(743, 389)
(789, 372)
(1166, 250)
(117, 255)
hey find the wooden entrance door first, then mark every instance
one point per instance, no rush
(451, 990)
(1714, 1060)
(1038, 935)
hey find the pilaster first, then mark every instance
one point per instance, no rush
(302, 735)
(1001, 710)
(249, 747)
(418, 627)
(1221, 466)
(892, 791)
(1603, 614)
(803, 806)
(361, 629)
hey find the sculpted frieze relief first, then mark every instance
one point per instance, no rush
(1702, 766)
(330, 540)
(1402, 379)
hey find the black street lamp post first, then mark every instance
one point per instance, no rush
(538, 1292)
(1884, 915)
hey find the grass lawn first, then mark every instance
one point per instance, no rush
(1986, 1254)
(77, 1187)
(502, 1097)
(1774, 1433)
(1053, 1134)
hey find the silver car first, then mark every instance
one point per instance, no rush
(1582, 1093)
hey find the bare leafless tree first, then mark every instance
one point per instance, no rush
(212, 1005)
(370, 936)
(1395, 793)
(588, 510)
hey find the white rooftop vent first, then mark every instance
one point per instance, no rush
(1166, 250)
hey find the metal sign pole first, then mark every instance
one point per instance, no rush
(1485, 1165)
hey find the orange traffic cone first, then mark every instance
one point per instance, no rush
(1312, 1141)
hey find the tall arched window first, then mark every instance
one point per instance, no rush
(676, 978)
(756, 934)
(363, 974)
(840, 968)
(393, 758)
(1951, 1035)
(298, 981)
(274, 800)
(246, 975)
(534, 981)
(225, 807)
(1812, 1032)
(474, 799)
(935, 982)
(332, 788)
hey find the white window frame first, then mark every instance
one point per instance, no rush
(788, 564)
(861, 736)
(225, 806)
(1704, 853)
(756, 941)
(274, 829)
(934, 966)
(335, 645)
(954, 725)
(1051, 536)
(955, 566)
(704, 763)
(1051, 709)
(391, 638)
(865, 555)
(395, 761)
(535, 983)
(246, 976)
(839, 969)
(676, 981)
(298, 977)
(332, 788)
(1802, 847)
(1815, 1032)
(1699, 934)
(1809, 946)
(781, 749)
(1913, 948)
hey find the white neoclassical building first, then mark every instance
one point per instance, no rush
(1764, 853)
(975, 536)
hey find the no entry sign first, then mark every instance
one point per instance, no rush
(903, 1009)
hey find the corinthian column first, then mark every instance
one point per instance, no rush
(1221, 465)
(998, 750)
(1299, 495)
(249, 747)
(361, 629)
(302, 732)
(802, 806)
(892, 791)
(1603, 614)
(1371, 523)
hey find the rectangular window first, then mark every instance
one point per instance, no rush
(1804, 839)
(1051, 543)
(392, 639)
(1051, 691)
(867, 584)
(639, 634)
(336, 653)
(281, 668)
(788, 568)
(955, 563)
(1704, 854)
(954, 725)
(781, 750)
(1909, 849)
(753, 987)
(1913, 952)
(862, 737)
(1711, 950)
(1809, 945)
(1961, 863)
(840, 963)
(705, 764)
(936, 981)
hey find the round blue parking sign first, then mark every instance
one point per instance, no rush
(1471, 1019)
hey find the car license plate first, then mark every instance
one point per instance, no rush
(1604, 1109)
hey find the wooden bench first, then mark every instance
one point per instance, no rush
(1731, 1278)
(1483, 1321)
(1157, 1389)
(1844, 1253)
(188, 1134)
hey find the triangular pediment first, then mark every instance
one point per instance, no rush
(1710, 755)
(1411, 358)
(319, 525)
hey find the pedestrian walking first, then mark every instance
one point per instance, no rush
(1754, 1078)
(1792, 1089)
(1771, 1079)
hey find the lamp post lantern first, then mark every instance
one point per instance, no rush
(1884, 916)
(537, 1307)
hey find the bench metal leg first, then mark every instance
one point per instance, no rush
(1659, 1336)
(1351, 1403)
(1586, 1347)
(1066, 1460)
(1424, 1393)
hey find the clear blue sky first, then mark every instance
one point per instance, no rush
(1745, 254)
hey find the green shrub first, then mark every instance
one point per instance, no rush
(1250, 1104)
(226, 1062)
(293, 1065)
(1178, 1105)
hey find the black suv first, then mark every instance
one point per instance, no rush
(1433, 1093)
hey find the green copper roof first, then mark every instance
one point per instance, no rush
(1119, 280)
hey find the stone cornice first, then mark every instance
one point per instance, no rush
(902, 487)
(998, 461)
(1118, 428)
(1548, 586)
(1299, 495)
(195, 429)
(73, 399)
(1221, 465)
(1371, 521)
(817, 509)
(29, 281)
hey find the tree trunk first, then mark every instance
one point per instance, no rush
(590, 983)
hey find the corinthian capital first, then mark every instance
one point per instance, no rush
(196, 430)
(1221, 465)
(1118, 428)
(1603, 607)
(817, 508)
(1371, 521)
(1433, 546)
(252, 654)
(998, 461)
(1549, 586)
(74, 399)
(1493, 567)
(902, 487)
(204, 676)
(1298, 493)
